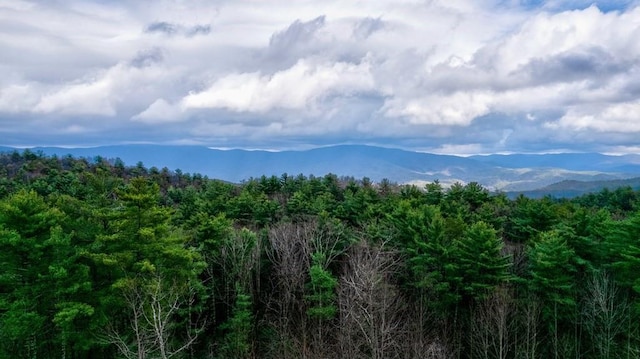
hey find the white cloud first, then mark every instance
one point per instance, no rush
(457, 109)
(552, 62)
(18, 98)
(104, 93)
(460, 150)
(160, 111)
(621, 117)
(300, 87)
(436, 74)
(87, 98)
(19, 5)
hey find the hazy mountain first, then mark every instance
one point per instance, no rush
(500, 172)
(569, 161)
(572, 188)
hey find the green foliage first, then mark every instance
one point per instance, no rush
(89, 247)
(529, 218)
(624, 247)
(481, 266)
(41, 275)
(321, 295)
(236, 342)
(552, 269)
(429, 251)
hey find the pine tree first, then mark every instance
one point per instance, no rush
(43, 286)
(480, 264)
(321, 290)
(624, 247)
(552, 273)
(236, 342)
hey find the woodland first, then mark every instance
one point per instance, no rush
(103, 260)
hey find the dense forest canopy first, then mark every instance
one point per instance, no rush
(104, 260)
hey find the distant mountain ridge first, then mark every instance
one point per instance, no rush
(572, 188)
(569, 161)
(497, 172)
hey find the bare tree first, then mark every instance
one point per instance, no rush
(238, 258)
(157, 331)
(422, 338)
(291, 249)
(604, 314)
(290, 254)
(370, 304)
(528, 333)
(490, 329)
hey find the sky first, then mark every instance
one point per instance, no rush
(442, 76)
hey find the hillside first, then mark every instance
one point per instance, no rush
(572, 188)
(496, 172)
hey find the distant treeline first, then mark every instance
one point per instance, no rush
(103, 260)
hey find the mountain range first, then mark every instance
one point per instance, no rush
(517, 172)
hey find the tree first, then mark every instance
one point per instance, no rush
(606, 314)
(321, 294)
(141, 239)
(321, 304)
(43, 286)
(490, 326)
(422, 234)
(371, 307)
(132, 260)
(480, 264)
(163, 324)
(289, 254)
(623, 244)
(527, 320)
(552, 270)
(236, 343)
(529, 218)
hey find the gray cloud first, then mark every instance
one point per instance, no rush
(198, 30)
(162, 27)
(147, 57)
(455, 77)
(297, 34)
(367, 26)
(297, 41)
(594, 64)
(171, 29)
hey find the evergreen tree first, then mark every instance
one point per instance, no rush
(624, 247)
(480, 264)
(552, 269)
(321, 295)
(236, 342)
(43, 287)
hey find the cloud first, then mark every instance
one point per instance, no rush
(147, 57)
(300, 87)
(367, 26)
(457, 109)
(198, 30)
(107, 93)
(87, 98)
(171, 29)
(613, 118)
(461, 76)
(160, 111)
(578, 65)
(563, 5)
(297, 34)
(552, 61)
(18, 98)
(162, 27)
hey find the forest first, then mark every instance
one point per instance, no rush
(103, 260)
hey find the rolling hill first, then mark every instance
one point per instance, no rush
(496, 172)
